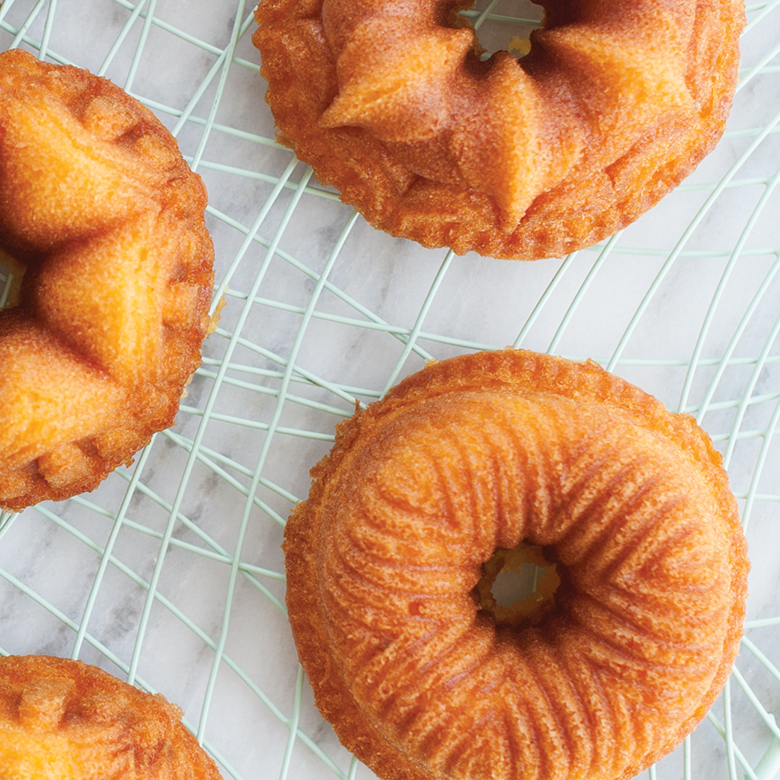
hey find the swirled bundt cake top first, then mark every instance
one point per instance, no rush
(489, 451)
(392, 104)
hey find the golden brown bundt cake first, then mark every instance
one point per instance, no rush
(99, 207)
(390, 103)
(490, 451)
(65, 720)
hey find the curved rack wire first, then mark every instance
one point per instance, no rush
(170, 574)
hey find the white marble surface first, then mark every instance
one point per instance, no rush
(685, 304)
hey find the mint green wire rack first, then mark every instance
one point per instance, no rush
(170, 575)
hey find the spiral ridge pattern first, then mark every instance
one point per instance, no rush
(629, 501)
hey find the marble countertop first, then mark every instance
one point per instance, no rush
(170, 573)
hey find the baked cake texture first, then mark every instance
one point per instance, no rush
(66, 720)
(487, 452)
(99, 207)
(392, 104)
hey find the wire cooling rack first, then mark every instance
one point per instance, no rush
(170, 574)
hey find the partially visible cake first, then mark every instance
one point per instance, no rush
(392, 104)
(99, 207)
(66, 720)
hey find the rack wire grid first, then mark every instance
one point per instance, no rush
(170, 575)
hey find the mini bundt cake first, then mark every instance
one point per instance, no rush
(101, 210)
(488, 452)
(391, 103)
(66, 720)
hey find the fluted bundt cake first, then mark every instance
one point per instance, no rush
(391, 103)
(63, 719)
(99, 207)
(491, 451)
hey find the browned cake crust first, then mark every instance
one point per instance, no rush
(97, 203)
(390, 103)
(483, 452)
(65, 720)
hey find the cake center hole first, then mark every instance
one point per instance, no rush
(11, 272)
(512, 586)
(518, 586)
(504, 25)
